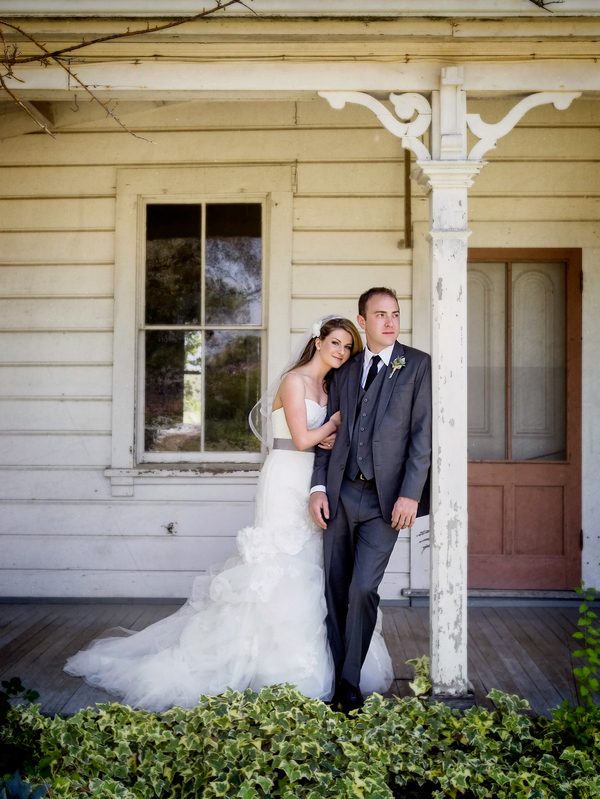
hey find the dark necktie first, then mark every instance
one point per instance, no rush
(372, 373)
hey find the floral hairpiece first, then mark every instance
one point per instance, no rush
(316, 328)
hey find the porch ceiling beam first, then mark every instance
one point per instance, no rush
(147, 80)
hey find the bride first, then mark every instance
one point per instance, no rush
(261, 619)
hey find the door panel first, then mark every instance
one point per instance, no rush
(524, 410)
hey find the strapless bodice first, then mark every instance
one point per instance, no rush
(315, 416)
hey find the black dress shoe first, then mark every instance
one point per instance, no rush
(350, 697)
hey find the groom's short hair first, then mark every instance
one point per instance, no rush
(366, 296)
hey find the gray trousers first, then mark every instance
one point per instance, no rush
(357, 545)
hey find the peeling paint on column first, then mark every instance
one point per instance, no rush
(439, 288)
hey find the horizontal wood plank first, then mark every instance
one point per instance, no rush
(55, 312)
(63, 247)
(44, 346)
(386, 246)
(56, 381)
(56, 279)
(349, 213)
(197, 146)
(55, 415)
(58, 181)
(55, 213)
(351, 279)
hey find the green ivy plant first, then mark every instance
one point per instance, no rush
(587, 681)
(282, 745)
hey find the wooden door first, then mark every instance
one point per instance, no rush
(524, 373)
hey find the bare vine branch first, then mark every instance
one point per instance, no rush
(545, 3)
(13, 58)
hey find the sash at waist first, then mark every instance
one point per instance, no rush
(287, 443)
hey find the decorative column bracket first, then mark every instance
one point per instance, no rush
(489, 134)
(405, 106)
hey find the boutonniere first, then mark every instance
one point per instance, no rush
(398, 364)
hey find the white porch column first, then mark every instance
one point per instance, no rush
(447, 179)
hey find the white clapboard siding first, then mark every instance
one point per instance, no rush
(193, 114)
(54, 213)
(349, 213)
(56, 312)
(366, 246)
(375, 178)
(26, 346)
(505, 178)
(56, 381)
(137, 518)
(195, 146)
(54, 415)
(90, 583)
(60, 246)
(34, 180)
(82, 484)
(519, 234)
(549, 143)
(56, 279)
(350, 279)
(123, 552)
(533, 209)
(48, 448)
(28, 484)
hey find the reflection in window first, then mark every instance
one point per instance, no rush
(233, 264)
(201, 383)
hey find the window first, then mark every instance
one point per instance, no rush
(203, 276)
(203, 329)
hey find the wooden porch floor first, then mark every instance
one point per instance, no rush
(524, 651)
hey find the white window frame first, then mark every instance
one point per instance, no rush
(273, 187)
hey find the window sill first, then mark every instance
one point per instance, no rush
(123, 481)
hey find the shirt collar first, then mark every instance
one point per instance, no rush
(385, 355)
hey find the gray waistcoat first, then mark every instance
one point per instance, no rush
(360, 458)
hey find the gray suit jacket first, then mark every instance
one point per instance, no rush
(402, 435)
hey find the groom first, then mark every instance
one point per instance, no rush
(371, 484)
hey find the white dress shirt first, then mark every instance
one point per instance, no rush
(386, 357)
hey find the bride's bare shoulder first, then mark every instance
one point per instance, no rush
(293, 387)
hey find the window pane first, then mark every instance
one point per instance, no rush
(233, 260)
(173, 391)
(173, 260)
(538, 362)
(232, 388)
(486, 373)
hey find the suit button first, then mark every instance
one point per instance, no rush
(360, 459)
(364, 414)
(342, 466)
(366, 400)
(361, 444)
(362, 430)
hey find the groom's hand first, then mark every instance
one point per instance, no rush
(404, 513)
(319, 508)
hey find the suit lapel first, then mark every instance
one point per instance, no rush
(352, 387)
(389, 382)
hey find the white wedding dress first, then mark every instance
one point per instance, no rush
(259, 621)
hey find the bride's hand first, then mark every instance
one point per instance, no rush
(328, 442)
(336, 418)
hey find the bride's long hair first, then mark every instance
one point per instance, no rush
(337, 323)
